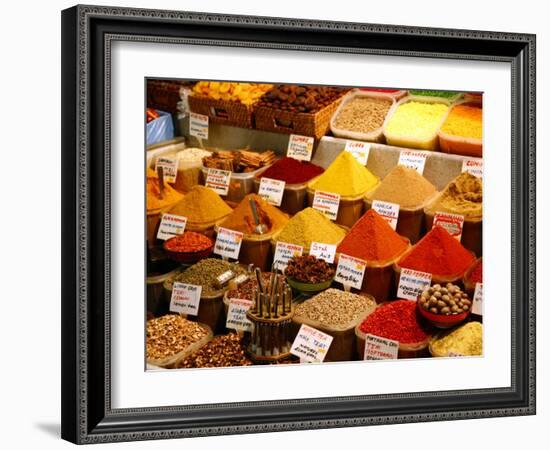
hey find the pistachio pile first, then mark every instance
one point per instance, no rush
(448, 300)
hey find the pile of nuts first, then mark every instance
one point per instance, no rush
(222, 351)
(168, 335)
(296, 98)
(309, 269)
(448, 300)
(363, 114)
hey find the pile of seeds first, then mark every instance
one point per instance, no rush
(363, 114)
(336, 308)
(448, 300)
(222, 351)
(171, 334)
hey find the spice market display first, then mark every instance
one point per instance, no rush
(296, 224)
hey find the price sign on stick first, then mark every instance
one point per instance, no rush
(218, 180)
(326, 252)
(311, 345)
(414, 159)
(360, 150)
(388, 211)
(171, 225)
(350, 271)
(377, 348)
(300, 147)
(477, 304)
(473, 166)
(198, 125)
(284, 252)
(228, 243)
(185, 298)
(412, 283)
(169, 166)
(327, 202)
(236, 315)
(272, 190)
(453, 223)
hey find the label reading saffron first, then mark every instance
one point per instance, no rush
(326, 252)
(300, 147)
(473, 166)
(360, 151)
(272, 190)
(198, 125)
(236, 314)
(350, 271)
(327, 202)
(228, 243)
(284, 252)
(413, 159)
(477, 304)
(185, 298)
(453, 223)
(377, 348)
(218, 180)
(170, 226)
(388, 211)
(412, 283)
(311, 345)
(169, 168)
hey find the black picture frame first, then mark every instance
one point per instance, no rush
(87, 33)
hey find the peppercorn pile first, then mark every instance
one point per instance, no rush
(309, 269)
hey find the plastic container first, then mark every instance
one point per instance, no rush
(342, 347)
(173, 360)
(241, 184)
(397, 94)
(414, 350)
(373, 136)
(156, 303)
(461, 145)
(431, 143)
(350, 209)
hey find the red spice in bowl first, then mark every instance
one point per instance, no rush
(292, 171)
(189, 246)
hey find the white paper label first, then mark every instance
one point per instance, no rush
(170, 226)
(185, 298)
(284, 252)
(388, 211)
(350, 271)
(272, 190)
(169, 168)
(360, 150)
(473, 166)
(412, 283)
(218, 180)
(228, 243)
(377, 348)
(300, 147)
(326, 252)
(452, 223)
(477, 303)
(198, 125)
(311, 345)
(414, 159)
(327, 202)
(236, 314)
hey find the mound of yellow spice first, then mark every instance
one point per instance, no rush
(201, 205)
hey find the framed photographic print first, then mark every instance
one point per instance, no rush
(282, 224)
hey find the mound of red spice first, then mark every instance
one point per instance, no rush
(188, 242)
(292, 171)
(372, 239)
(476, 275)
(438, 253)
(398, 320)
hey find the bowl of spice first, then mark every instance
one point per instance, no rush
(296, 174)
(307, 273)
(375, 242)
(337, 313)
(444, 306)
(464, 340)
(412, 192)
(223, 351)
(473, 276)
(188, 247)
(461, 133)
(351, 181)
(362, 115)
(399, 321)
(462, 196)
(171, 338)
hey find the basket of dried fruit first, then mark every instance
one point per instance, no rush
(296, 109)
(226, 103)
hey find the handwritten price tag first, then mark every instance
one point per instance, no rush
(284, 252)
(388, 211)
(300, 147)
(236, 314)
(272, 190)
(228, 243)
(414, 159)
(170, 226)
(198, 125)
(218, 180)
(169, 167)
(185, 298)
(412, 283)
(350, 271)
(327, 202)
(360, 150)
(453, 223)
(477, 304)
(377, 348)
(473, 166)
(323, 251)
(311, 345)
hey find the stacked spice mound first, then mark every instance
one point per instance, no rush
(158, 199)
(292, 171)
(463, 195)
(202, 207)
(222, 351)
(345, 176)
(466, 340)
(242, 218)
(310, 226)
(438, 253)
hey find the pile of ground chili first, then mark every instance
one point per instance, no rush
(476, 275)
(292, 171)
(188, 242)
(398, 320)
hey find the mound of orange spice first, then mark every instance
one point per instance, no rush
(188, 242)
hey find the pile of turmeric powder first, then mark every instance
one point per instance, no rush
(157, 200)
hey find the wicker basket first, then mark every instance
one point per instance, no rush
(164, 95)
(222, 111)
(306, 124)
